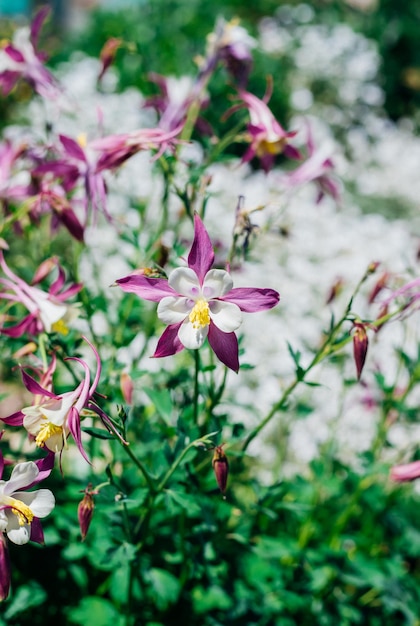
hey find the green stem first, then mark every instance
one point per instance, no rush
(139, 464)
(196, 385)
(205, 440)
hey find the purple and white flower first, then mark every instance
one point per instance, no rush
(199, 303)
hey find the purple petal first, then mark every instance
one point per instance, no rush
(169, 342)
(71, 222)
(225, 347)
(45, 466)
(72, 148)
(19, 329)
(153, 289)
(14, 54)
(35, 388)
(201, 256)
(37, 23)
(73, 422)
(37, 534)
(15, 419)
(251, 300)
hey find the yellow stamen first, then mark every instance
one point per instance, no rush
(200, 315)
(60, 327)
(48, 430)
(82, 140)
(271, 147)
(19, 508)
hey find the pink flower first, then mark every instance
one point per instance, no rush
(197, 302)
(116, 149)
(47, 310)
(406, 472)
(316, 168)
(21, 59)
(52, 418)
(268, 138)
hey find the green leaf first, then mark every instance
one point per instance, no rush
(165, 587)
(26, 597)
(184, 501)
(98, 609)
(163, 403)
(211, 598)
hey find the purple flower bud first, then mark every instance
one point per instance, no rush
(220, 467)
(360, 346)
(85, 511)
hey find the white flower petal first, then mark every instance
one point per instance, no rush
(173, 310)
(32, 419)
(216, 284)
(40, 502)
(191, 337)
(55, 411)
(185, 282)
(16, 533)
(226, 315)
(23, 474)
(3, 521)
(50, 312)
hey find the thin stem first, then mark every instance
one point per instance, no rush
(143, 470)
(196, 385)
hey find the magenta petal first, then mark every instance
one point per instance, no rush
(72, 148)
(169, 342)
(16, 419)
(73, 422)
(37, 23)
(251, 300)
(14, 54)
(37, 534)
(19, 329)
(153, 289)
(45, 466)
(201, 256)
(225, 346)
(35, 388)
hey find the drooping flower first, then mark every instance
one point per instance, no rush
(267, 137)
(22, 59)
(317, 168)
(52, 418)
(197, 302)
(20, 511)
(48, 311)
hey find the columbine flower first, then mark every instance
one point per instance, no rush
(20, 511)
(52, 418)
(268, 138)
(116, 149)
(47, 310)
(316, 168)
(22, 59)
(198, 302)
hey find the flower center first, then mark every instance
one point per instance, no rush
(271, 147)
(200, 314)
(60, 327)
(48, 430)
(19, 508)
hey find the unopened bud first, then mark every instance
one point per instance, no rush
(85, 511)
(220, 467)
(4, 568)
(336, 289)
(360, 346)
(379, 285)
(126, 385)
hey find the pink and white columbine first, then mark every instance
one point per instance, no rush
(198, 302)
(52, 418)
(20, 511)
(47, 310)
(268, 138)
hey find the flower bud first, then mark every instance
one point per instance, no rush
(220, 467)
(4, 568)
(126, 385)
(85, 511)
(407, 472)
(360, 346)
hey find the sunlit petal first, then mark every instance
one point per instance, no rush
(173, 310)
(225, 315)
(216, 284)
(190, 337)
(185, 282)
